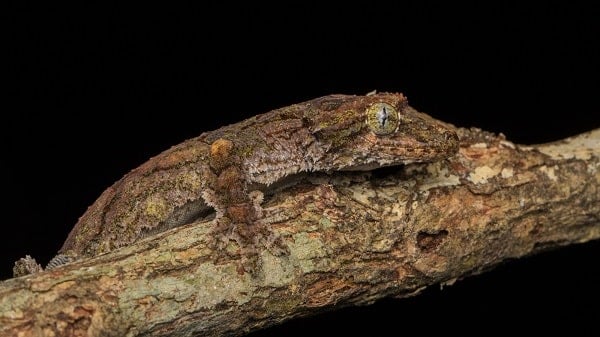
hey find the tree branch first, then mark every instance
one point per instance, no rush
(353, 238)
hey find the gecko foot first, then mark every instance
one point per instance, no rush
(253, 241)
(231, 240)
(248, 240)
(274, 244)
(25, 266)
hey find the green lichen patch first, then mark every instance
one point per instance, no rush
(307, 250)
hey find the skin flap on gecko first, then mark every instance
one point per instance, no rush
(222, 173)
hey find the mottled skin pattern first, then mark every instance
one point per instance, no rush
(224, 170)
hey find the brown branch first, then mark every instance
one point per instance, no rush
(353, 238)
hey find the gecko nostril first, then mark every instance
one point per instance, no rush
(449, 135)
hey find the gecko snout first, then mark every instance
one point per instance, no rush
(450, 140)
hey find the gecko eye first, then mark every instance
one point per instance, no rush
(382, 118)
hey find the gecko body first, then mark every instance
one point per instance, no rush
(222, 172)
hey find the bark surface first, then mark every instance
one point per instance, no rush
(353, 238)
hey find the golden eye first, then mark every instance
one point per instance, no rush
(382, 118)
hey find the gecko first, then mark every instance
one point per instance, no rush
(224, 173)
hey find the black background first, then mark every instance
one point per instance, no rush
(94, 91)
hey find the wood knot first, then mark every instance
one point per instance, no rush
(430, 241)
(220, 153)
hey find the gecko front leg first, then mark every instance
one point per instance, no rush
(238, 210)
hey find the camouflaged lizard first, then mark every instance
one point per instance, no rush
(225, 171)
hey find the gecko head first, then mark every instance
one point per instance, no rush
(365, 132)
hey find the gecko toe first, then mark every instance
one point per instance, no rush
(25, 266)
(275, 245)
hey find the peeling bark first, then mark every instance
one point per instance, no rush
(353, 238)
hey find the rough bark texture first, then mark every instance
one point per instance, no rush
(353, 238)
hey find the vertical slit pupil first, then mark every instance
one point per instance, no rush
(382, 116)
